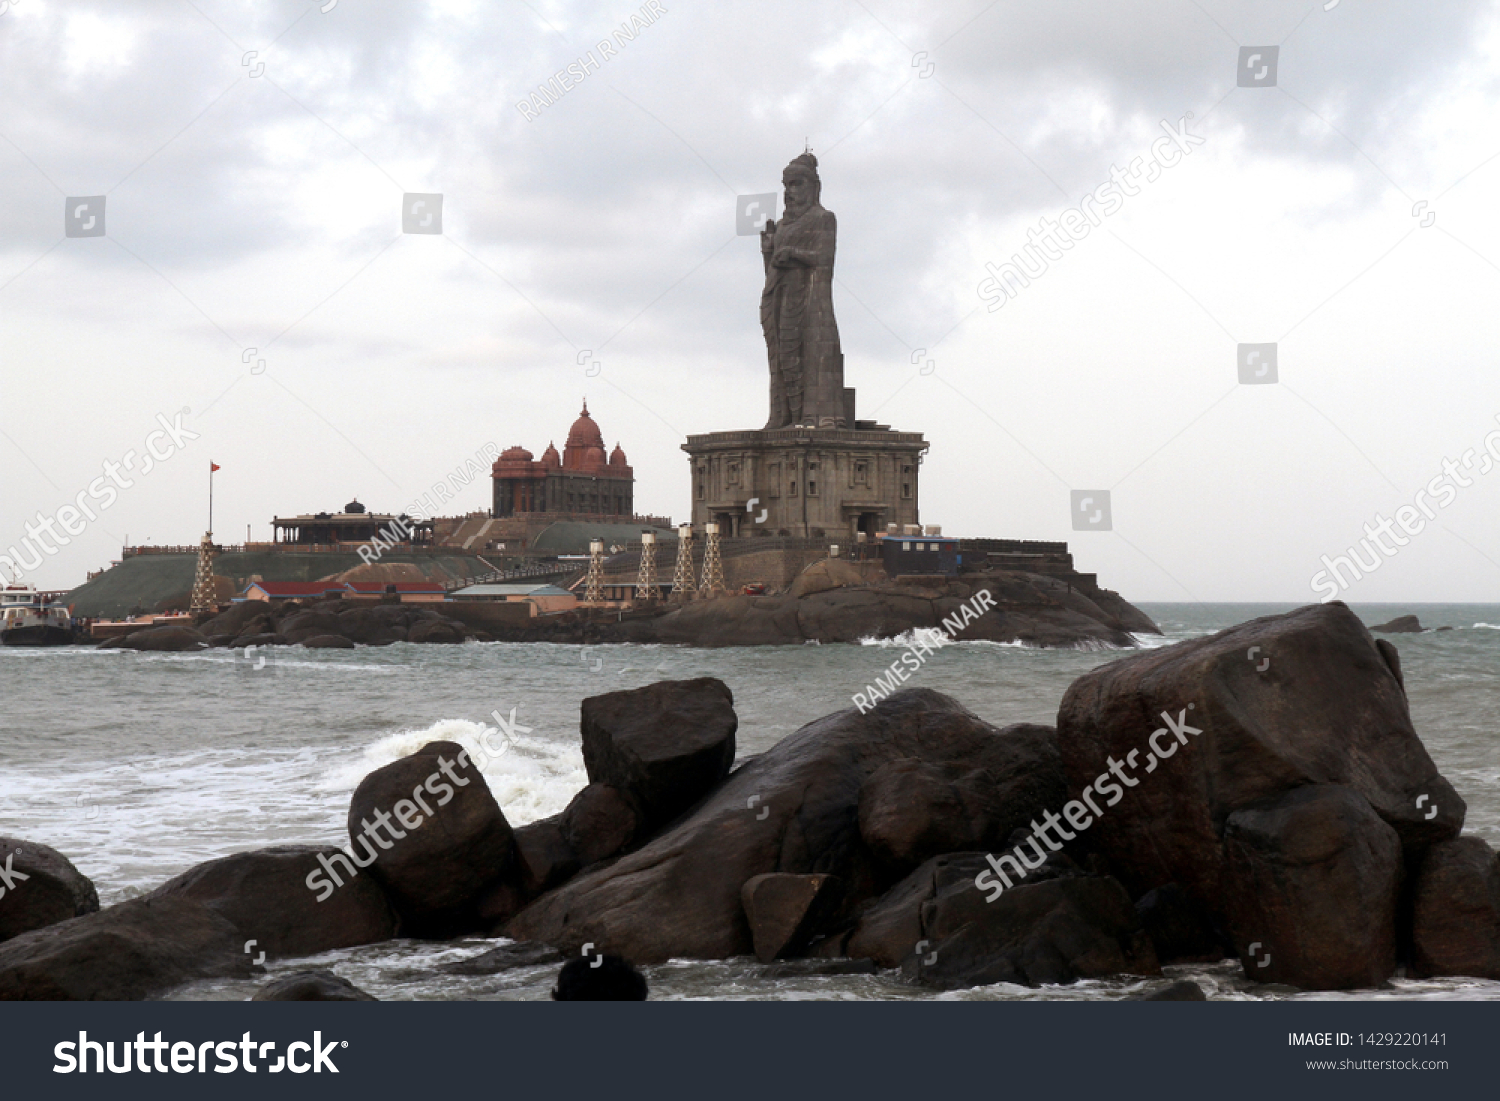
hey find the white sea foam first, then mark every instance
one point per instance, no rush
(1153, 642)
(532, 778)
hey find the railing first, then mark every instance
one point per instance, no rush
(497, 576)
(218, 549)
(1012, 546)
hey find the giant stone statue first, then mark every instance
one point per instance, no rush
(796, 307)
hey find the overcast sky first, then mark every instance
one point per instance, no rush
(1345, 214)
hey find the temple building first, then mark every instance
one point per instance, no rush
(579, 483)
(353, 526)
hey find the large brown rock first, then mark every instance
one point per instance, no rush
(375, 625)
(328, 642)
(301, 626)
(164, 640)
(1048, 931)
(793, 809)
(837, 601)
(895, 927)
(911, 810)
(599, 823)
(544, 859)
(1181, 931)
(1311, 886)
(848, 615)
(128, 952)
(664, 746)
(284, 899)
(239, 618)
(39, 887)
(436, 630)
(1456, 911)
(436, 871)
(1276, 703)
(785, 912)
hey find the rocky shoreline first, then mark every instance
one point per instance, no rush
(1259, 794)
(831, 601)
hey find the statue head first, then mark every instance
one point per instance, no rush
(801, 185)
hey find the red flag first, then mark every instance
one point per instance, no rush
(212, 466)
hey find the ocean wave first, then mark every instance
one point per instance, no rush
(276, 657)
(531, 777)
(1154, 642)
(932, 636)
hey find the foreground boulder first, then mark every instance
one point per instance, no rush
(785, 911)
(1058, 926)
(1312, 882)
(599, 823)
(311, 986)
(1181, 930)
(911, 810)
(1456, 911)
(794, 809)
(434, 837)
(43, 888)
(901, 924)
(1053, 931)
(286, 900)
(544, 858)
(1217, 725)
(128, 952)
(664, 747)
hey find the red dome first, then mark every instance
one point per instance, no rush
(585, 448)
(513, 460)
(550, 457)
(585, 433)
(617, 457)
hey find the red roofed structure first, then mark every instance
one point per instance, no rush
(293, 590)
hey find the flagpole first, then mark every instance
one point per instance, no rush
(210, 496)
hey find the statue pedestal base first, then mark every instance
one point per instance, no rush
(806, 482)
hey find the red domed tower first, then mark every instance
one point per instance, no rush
(581, 481)
(617, 464)
(585, 447)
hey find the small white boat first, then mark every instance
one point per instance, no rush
(32, 618)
